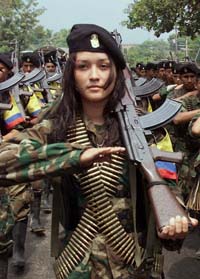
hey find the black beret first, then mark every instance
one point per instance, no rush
(176, 67)
(169, 64)
(50, 57)
(93, 38)
(188, 68)
(5, 59)
(161, 64)
(31, 57)
(150, 66)
(140, 66)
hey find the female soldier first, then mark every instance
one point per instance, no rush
(95, 191)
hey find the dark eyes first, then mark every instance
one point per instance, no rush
(86, 66)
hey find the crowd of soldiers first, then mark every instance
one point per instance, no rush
(181, 82)
(35, 93)
(29, 86)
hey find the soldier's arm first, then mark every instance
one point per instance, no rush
(192, 93)
(185, 117)
(194, 126)
(29, 160)
(188, 111)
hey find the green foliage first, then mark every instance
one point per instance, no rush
(148, 51)
(164, 15)
(18, 21)
(59, 38)
(185, 46)
(157, 50)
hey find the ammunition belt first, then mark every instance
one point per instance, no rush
(77, 246)
(108, 223)
(97, 184)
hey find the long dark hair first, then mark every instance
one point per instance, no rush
(71, 105)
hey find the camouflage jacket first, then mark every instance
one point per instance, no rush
(185, 142)
(29, 156)
(196, 141)
(177, 93)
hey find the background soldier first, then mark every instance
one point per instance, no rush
(20, 195)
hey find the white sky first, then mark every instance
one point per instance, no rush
(106, 13)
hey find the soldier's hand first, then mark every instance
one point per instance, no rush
(92, 155)
(177, 229)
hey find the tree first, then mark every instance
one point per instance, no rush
(164, 15)
(18, 21)
(59, 38)
(185, 46)
(40, 37)
(148, 51)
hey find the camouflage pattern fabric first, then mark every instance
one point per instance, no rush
(177, 93)
(101, 261)
(21, 196)
(29, 158)
(194, 196)
(29, 161)
(6, 221)
(183, 142)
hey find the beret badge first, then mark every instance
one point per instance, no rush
(94, 40)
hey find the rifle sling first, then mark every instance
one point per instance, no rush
(154, 183)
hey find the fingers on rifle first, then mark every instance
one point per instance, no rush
(172, 226)
(185, 224)
(178, 222)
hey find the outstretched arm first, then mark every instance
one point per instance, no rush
(29, 160)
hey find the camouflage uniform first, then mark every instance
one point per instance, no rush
(177, 93)
(34, 159)
(183, 142)
(20, 195)
(6, 221)
(194, 197)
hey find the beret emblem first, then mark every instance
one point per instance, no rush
(94, 40)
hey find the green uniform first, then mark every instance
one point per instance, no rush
(34, 159)
(177, 93)
(183, 142)
(194, 197)
(6, 221)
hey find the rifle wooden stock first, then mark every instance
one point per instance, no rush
(163, 201)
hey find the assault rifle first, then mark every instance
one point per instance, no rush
(134, 129)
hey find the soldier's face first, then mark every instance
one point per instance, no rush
(189, 81)
(142, 73)
(177, 79)
(169, 75)
(95, 76)
(50, 67)
(27, 67)
(161, 73)
(4, 71)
